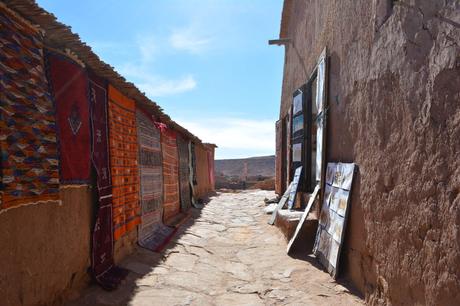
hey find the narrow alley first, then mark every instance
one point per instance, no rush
(197, 152)
(225, 254)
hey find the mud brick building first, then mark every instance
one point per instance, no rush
(392, 106)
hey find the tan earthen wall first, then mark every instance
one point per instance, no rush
(45, 250)
(395, 111)
(124, 246)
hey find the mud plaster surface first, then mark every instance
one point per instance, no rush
(45, 250)
(226, 255)
(394, 110)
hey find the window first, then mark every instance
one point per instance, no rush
(307, 128)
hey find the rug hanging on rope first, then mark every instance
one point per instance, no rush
(153, 234)
(29, 164)
(102, 263)
(170, 174)
(123, 161)
(69, 83)
(184, 174)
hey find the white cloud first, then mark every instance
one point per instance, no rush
(148, 48)
(157, 86)
(235, 137)
(189, 39)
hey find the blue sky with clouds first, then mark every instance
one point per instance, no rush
(205, 62)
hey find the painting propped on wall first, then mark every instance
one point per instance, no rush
(295, 185)
(334, 215)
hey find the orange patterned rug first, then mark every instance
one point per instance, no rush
(123, 161)
(170, 174)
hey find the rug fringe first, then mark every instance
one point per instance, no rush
(4, 210)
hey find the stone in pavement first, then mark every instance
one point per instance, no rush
(226, 254)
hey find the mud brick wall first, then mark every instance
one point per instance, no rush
(394, 100)
(45, 250)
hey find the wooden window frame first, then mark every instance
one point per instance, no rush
(307, 183)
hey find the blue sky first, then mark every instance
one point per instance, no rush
(207, 63)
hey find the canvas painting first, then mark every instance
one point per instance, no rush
(297, 103)
(333, 216)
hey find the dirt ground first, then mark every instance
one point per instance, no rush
(226, 254)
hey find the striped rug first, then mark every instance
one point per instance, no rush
(153, 234)
(170, 174)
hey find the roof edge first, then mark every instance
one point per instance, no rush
(60, 37)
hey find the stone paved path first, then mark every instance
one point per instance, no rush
(226, 254)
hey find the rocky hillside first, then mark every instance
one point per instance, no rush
(247, 167)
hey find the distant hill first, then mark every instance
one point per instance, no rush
(250, 167)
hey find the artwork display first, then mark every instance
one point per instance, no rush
(333, 216)
(295, 184)
(296, 152)
(297, 103)
(297, 124)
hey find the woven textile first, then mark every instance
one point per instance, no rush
(29, 165)
(100, 134)
(69, 83)
(211, 169)
(102, 262)
(123, 161)
(193, 163)
(153, 234)
(170, 174)
(184, 174)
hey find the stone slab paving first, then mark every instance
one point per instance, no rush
(226, 254)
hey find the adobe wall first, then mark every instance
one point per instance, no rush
(394, 110)
(125, 245)
(45, 250)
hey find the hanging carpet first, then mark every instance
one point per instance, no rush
(170, 175)
(69, 83)
(184, 174)
(102, 264)
(153, 234)
(123, 161)
(29, 164)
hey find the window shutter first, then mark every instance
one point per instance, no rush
(321, 117)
